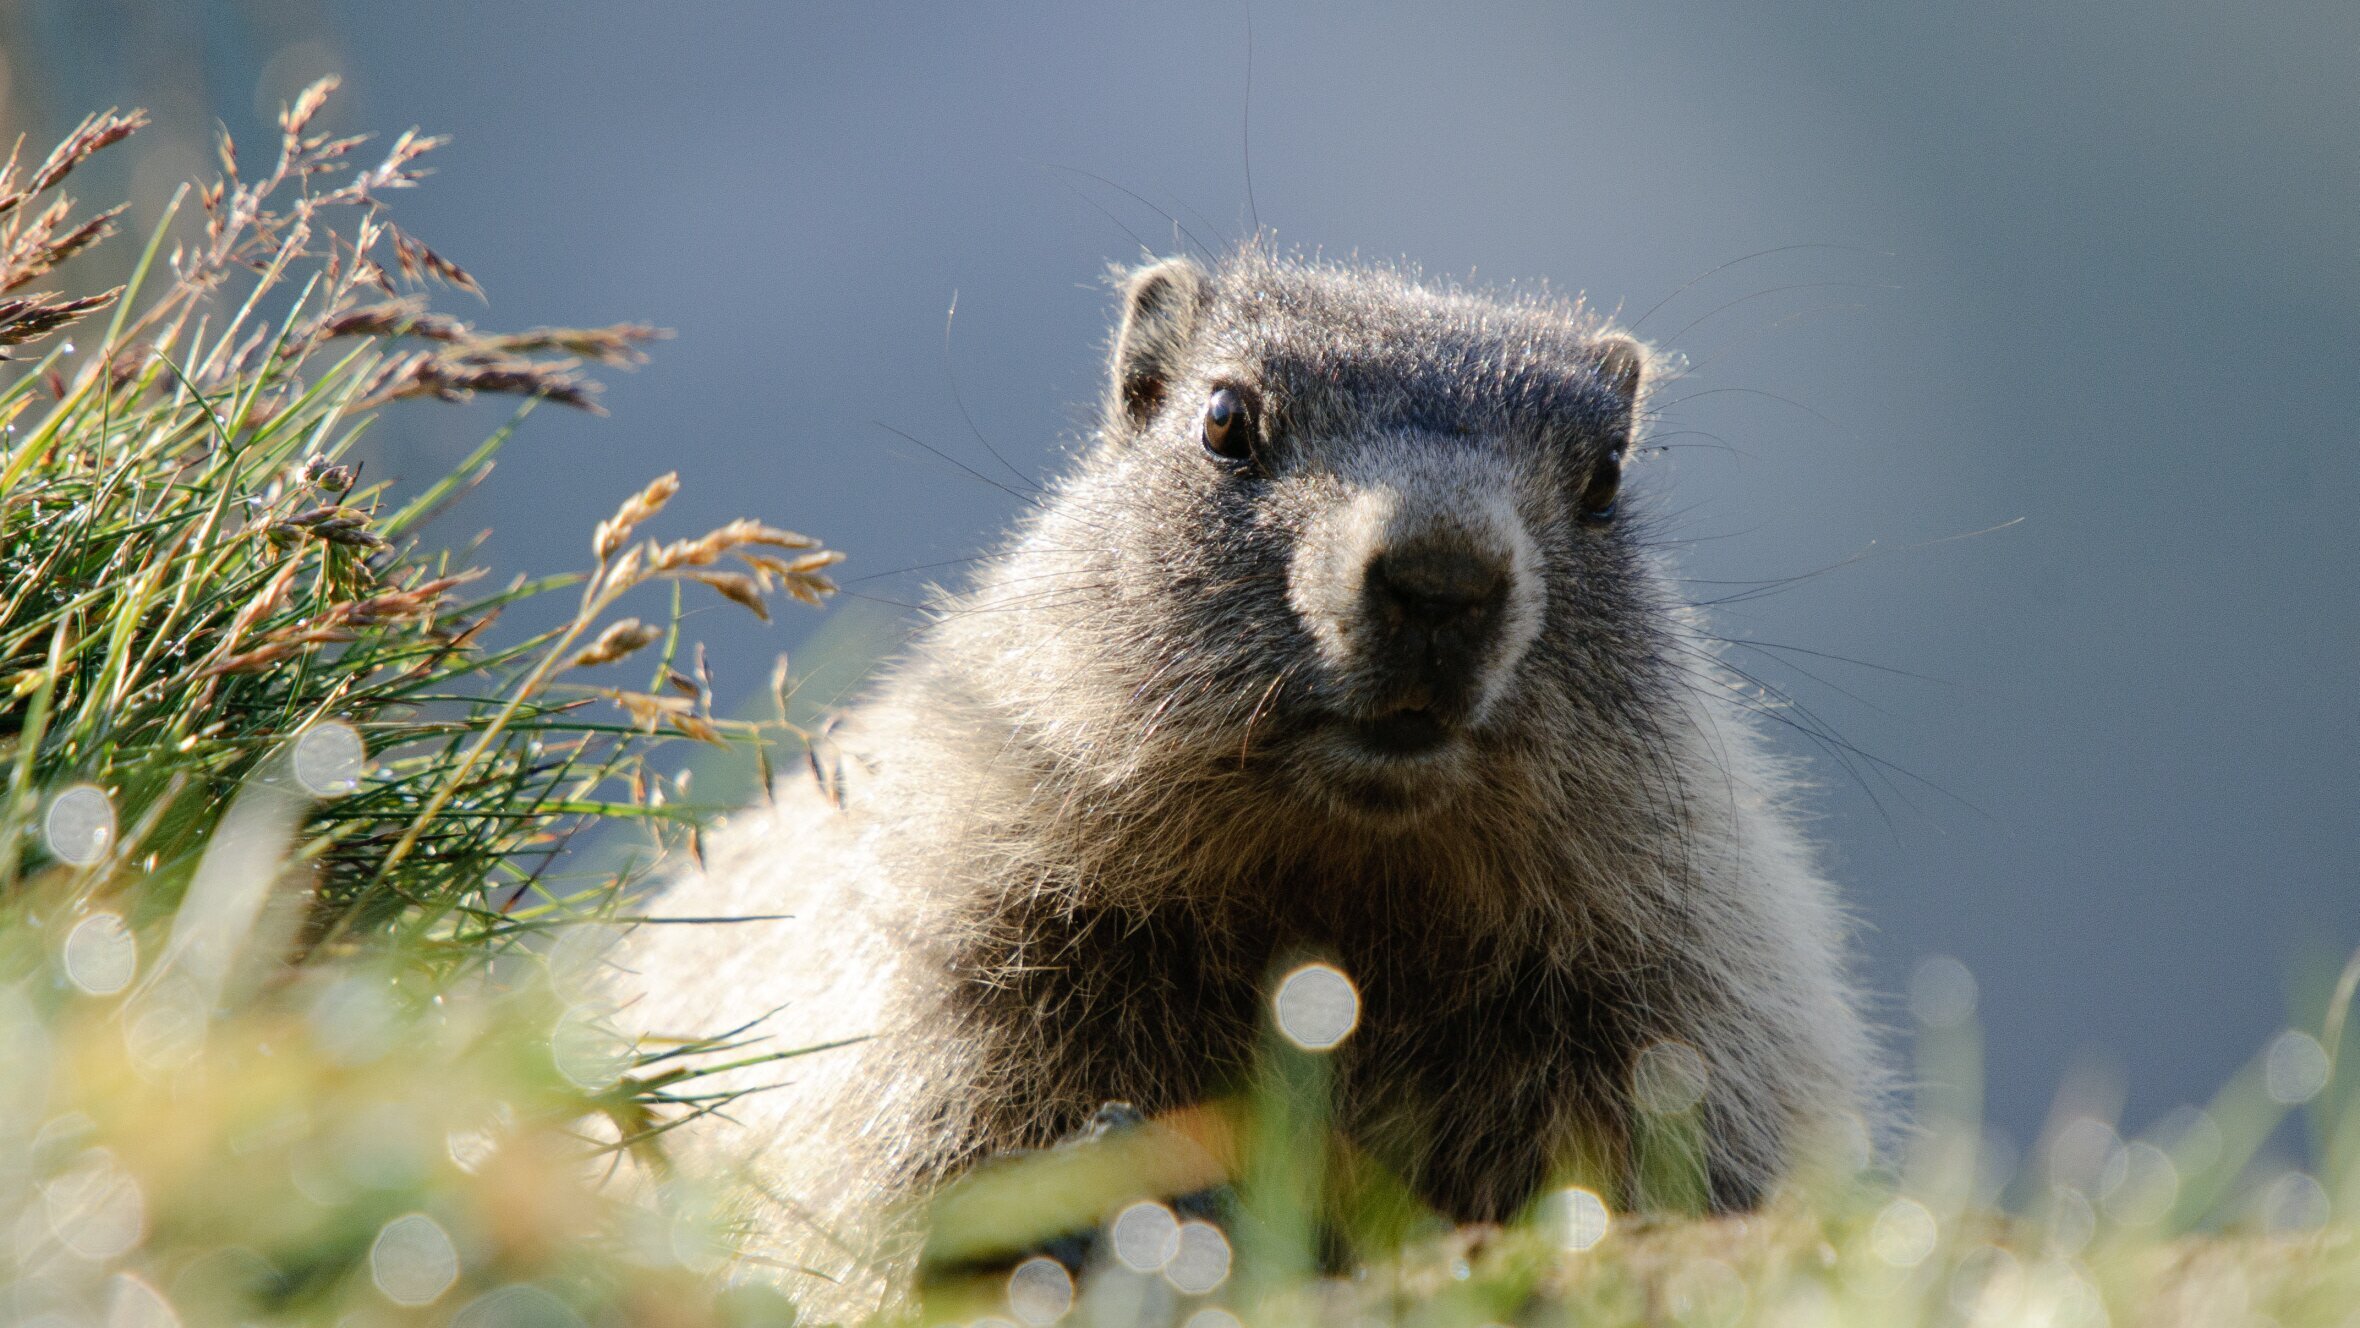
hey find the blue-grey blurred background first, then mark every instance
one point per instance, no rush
(2087, 269)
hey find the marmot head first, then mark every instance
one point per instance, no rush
(1345, 540)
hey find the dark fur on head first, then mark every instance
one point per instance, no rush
(1334, 643)
(1236, 640)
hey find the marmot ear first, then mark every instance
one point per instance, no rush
(1160, 304)
(1622, 371)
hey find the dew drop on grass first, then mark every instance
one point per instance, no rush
(413, 1261)
(1040, 1291)
(101, 955)
(1200, 1263)
(79, 827)
(1317, 1007)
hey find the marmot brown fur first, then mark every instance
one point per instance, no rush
(1341, 640)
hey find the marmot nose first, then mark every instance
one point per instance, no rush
(1442, 605)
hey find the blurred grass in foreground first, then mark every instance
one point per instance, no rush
(2186, 1223)
(299, 988)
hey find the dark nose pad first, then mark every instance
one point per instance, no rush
(1439, 608)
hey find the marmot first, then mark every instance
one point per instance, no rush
(1339, 639)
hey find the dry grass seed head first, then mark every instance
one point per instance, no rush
(734, 537)
(616, 530)
(37, 251)
(652, 712)
(418, 262)
(738, 588)
(619, 641)
(95, 132)
(31, 317)
(297, 116)
(459, 376)
(618, 344)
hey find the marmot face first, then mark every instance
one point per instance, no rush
(1355, 543)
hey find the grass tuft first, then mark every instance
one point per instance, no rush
(291, 1026)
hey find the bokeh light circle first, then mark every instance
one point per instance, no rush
(1040, 1291)
(1146, 1237)
(587, 1050)
(2295, 1201)
(95, 1208)
(100, 955)
(1577, 1218)
(413, 1261)
(521, 1305)
(1200, 1262)
(1942, 992)
(1904, 1233)
(2295, 1069)
(1317, 1007)
(2141, 1186)
(79, 826)
(132, 1303)
(329, 759)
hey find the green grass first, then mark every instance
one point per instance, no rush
(299, 1011)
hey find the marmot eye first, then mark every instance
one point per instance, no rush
(1599, 494)
(1229, 427)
